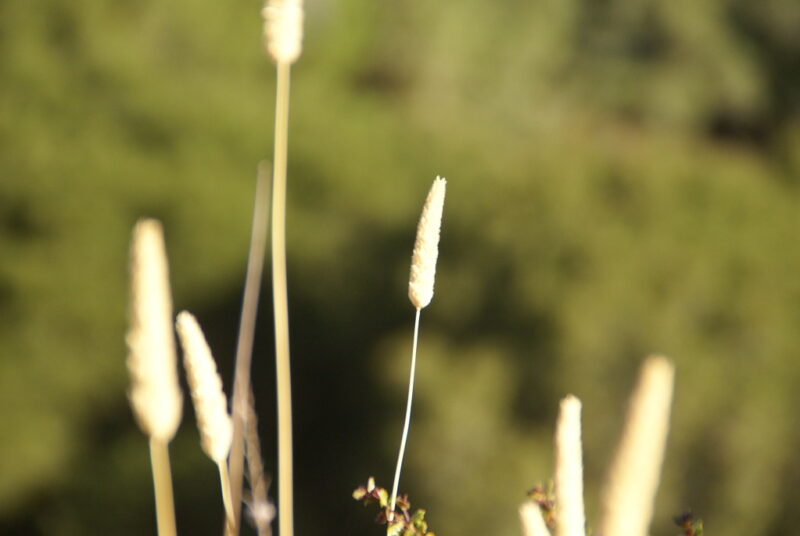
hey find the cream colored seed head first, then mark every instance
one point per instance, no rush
(210, 405)
(627, 503)
(152, 362)
(533, 524)
(570, 520)
(426, 247)
(283, 29)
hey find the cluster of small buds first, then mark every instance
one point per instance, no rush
(399, 523)
(689, 524)
(546, 499)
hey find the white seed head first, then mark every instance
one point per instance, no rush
(154, 393)
(530, 514)
(570, 520)
(426, 247)
(283, 29)
(627, 503)
(210, 404)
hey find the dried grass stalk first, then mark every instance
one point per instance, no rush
(210, 404)
(283, 29)
(426, 247)
(570, 520)
(627, 503)
(155, 394)
(247, 327)
(530, 516)
(261, 509)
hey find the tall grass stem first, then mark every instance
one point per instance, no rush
(244, 345)
(162, 482)
(281, 304)
(406, 424)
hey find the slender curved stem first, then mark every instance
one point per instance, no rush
(244, 345)
(407, 423)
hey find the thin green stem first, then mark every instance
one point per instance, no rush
(281, 305)
(162, 482)
(407, 423)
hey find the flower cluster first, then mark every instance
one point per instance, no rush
(546, 500)
(690, 525)
(399, 523)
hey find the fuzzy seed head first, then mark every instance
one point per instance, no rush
(426, 247)
(154, 393)
(570, 520)
(283, 29)
(210, 404)
(635, 472)
(532, 521)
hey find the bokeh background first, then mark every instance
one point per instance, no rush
(624, 178)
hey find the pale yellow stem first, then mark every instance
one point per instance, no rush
(162, 482)
(281, 304)
(225, 484)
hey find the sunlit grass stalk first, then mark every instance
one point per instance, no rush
(420, 293)
(162, 483)
(281, 307)
(283, 32)
(155, 395)
(627, 502)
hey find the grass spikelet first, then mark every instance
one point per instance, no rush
(283, 29)
(570, 520)
(152, 362)
(627, 503)
(155, 394)
(530, 516)
(426, 247)
(210, 405)
(420, 292)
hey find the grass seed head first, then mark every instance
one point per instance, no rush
(635, 472)
(570, 520)
(426, 247)
(152, 362)
(283, 29)
(210, 404)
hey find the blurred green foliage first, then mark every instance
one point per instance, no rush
(624, 179)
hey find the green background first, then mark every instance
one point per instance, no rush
(623, 179)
